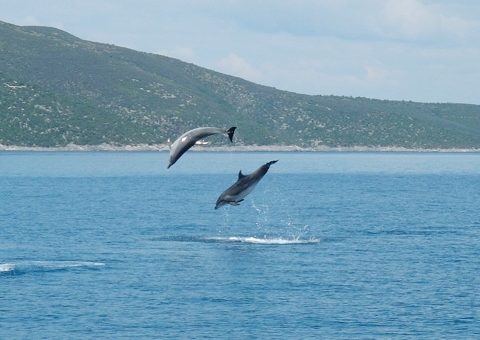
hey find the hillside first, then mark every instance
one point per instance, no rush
(56, 89)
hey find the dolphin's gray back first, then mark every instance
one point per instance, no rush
(195, 135)
(259, 173)
(203, 132)
(242, 184)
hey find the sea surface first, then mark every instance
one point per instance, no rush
(328, 246)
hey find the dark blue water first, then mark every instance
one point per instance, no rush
(329, 245)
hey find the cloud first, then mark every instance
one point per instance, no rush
(238, 66)
(375, 73)
(413, 19)
(30, 20)
(180, 52)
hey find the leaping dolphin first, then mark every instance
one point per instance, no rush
(243, 186)
(189, 138)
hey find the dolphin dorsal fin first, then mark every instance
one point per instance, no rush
(240, 175)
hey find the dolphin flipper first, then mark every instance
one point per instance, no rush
(236, 202)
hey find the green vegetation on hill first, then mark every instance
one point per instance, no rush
(56, 89)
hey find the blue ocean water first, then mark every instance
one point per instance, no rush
(329, 245)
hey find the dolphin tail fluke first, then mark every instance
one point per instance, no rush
(272, 162)
(230, 133)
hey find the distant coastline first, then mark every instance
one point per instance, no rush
(227, 148)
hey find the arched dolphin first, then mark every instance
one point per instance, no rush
(189, 138)
(243, 186)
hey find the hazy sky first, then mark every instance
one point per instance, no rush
(422, 50)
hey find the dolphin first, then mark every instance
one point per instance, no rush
(243, 186)
(189, 138)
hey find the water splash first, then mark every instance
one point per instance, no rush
(46, 266)
(6, 268)
(264, 240)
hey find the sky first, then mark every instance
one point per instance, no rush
(419, 50)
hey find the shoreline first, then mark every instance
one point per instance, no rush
(226, 148)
